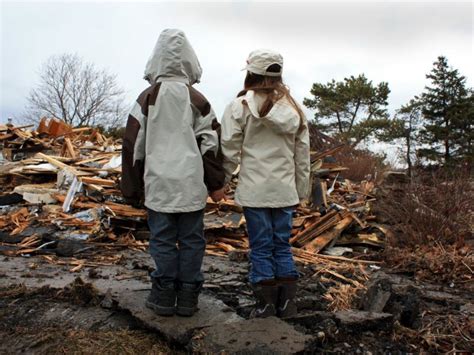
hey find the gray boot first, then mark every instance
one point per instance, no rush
(162, 299)
(188, 296)
(267, 296)
(286, 295)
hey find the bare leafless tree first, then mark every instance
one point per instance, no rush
(77, 93)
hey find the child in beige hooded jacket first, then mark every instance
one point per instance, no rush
(265, 130)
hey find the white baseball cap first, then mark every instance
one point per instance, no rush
(260, 59)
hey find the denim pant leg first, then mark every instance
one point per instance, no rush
(259, 228)
(282, 219)
(192, 246)
(162, 247)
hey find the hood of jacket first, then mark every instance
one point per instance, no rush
(173, 58)
(282, 118)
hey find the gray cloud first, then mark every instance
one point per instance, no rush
(394, 42)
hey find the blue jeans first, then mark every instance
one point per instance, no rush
(269, 231)
(177, 246)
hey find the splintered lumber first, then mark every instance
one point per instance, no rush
(117, 208)
(324, 239)
(79, 130)
(237, 243)
(70, 147)
(226, 247)
(6, 136)
(320, 226)
(6, 128)
(57, 163)
(97, 181)
(85, 153)
(307, 256)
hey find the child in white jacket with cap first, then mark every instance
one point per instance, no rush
(265, 129)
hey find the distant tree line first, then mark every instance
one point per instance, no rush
(435, 126)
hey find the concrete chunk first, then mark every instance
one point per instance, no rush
(356, 321)
(212, 312)
(254, 336)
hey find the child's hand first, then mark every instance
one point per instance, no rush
(218, 195)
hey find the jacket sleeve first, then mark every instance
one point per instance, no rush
(133, 148)
(302, 160)
(207, 131)
(231, 141)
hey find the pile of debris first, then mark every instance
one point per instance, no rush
(60, 197)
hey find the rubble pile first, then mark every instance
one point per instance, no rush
(61, 206)
(60, 198)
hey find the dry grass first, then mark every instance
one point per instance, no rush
(112, 342)
(343, 296)
(361, 164)
(57, 341)
(440, 333)
(434, 207)
(432, 220)
(435, 263)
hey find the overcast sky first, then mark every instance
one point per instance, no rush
(395, 42)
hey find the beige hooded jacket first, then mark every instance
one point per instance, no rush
(170, 147)
(273, 152)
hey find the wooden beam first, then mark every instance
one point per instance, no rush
(318, 244)
(97, 181)
(70, 147)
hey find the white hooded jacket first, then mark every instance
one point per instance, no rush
(170, 147)
(273, 152)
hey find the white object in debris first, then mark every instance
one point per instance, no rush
(75, 187)
(37, 193)
(42, 167)
(78, 236)
(90, 215)
(375, 267)
(64, 179)
(114, 162)
(337, 251)
(113, 148)
(46, 167)
(331, 189)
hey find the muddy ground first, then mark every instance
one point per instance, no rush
(47, 309)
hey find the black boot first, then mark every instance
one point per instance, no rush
(286, 295)
(267, 296)
(188, 295)
(162, 299)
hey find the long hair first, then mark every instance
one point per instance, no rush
(272, 87)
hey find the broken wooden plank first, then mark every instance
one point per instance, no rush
(70, 147)
(318, 244)
(58, 164)
(117, 208)
(321, 225)
(97, 181)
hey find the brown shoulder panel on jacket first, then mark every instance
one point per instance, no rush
(214, 175)
(148, 97)
(199, 101)
(131, 184)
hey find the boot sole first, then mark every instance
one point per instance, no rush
(160, 310)
(287, 313)
(185, 312)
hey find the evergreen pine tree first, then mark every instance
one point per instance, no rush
(351, 110)
(445, 108)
